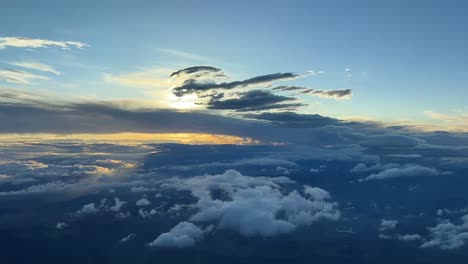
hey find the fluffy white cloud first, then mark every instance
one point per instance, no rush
(183, 235)
(447, 235)
(88, 209)
(143, 202)
(21, 42)
(252, 204)
(118, 205)
(387, 224)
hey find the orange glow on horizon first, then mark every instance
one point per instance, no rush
(131, 138)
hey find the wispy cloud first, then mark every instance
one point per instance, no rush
(183, 54)
(22, 42)
(34, 66)
(16, 76)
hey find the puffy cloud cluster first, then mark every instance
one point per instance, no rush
(255, 206)
(183, 235)
(447, 235)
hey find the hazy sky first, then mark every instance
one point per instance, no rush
(403, 60)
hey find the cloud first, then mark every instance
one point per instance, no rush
(409, 237)
(143, 202)
(118, 205)
(197, 72)
(336, 94)
(61, 225)
(127, 238)
(34, 66)
(254, 100)
(193, 86)
(17, 76)
(252, 204)
(447, 235)
(386, 225)
(409, 170)
(21, 42)
(292, 119)
(88, 209)
(183, 235)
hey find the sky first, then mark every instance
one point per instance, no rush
(233, 132)
(403, 61)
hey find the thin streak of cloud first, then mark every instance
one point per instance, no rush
(22, 42)
(34, 66)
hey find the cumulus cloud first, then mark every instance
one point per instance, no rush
(88, 209)
(183, 235)
(386, 225)
(117, 205)
(253, 204)
(447, 235)
(22, 42)
(143, 202)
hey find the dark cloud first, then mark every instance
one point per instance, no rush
(194, 86)
(196, 71)
(289, 88)
(254, 100)
(293, 119)
(339, 93)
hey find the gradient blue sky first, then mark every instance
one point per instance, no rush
(405, 57)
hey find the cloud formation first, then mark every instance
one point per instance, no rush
(251, 205)
(22, 42)
(34, 66)
(447, 235)
(254, 100)
(183, 235)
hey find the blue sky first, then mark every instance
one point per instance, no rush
(404, 58)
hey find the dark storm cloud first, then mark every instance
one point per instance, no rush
(339, 93)
(197, 71)
(293, 119)
(253, 101)
(193, 86)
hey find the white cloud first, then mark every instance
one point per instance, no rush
(35, 66)
(254, 203)
(118, 205)
(183, 235)
(21, 42)
(88, 209)
(447, 235)
(409, 170)
(143, 202)
(387, 225)
(16, 76)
